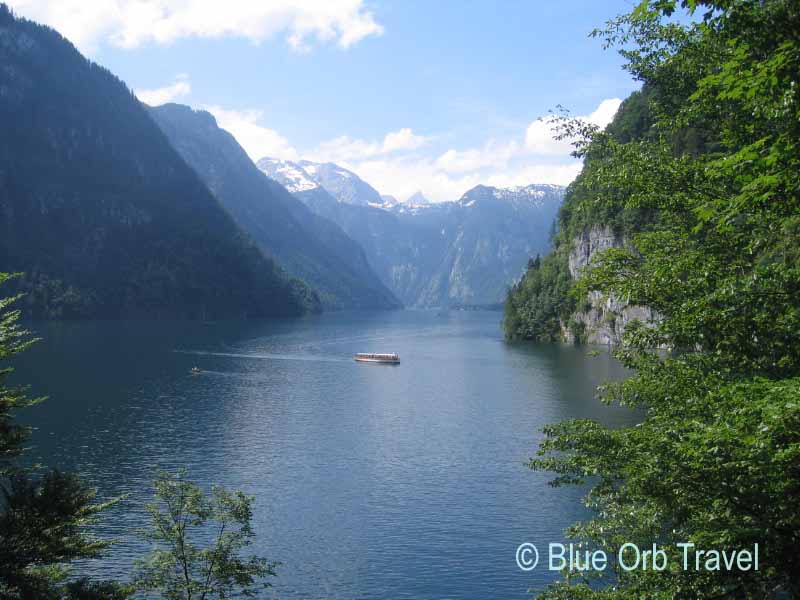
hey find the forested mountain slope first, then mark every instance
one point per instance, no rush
(100, 212)
(309, 246)
(544, 304)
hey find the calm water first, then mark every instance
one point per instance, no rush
(371, 481)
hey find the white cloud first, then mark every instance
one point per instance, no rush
(559, 174)
(395, 166)
(133, 23)
(401, 163)
(540, 138)
(345, 148)
(258, 141)
(604, 113)
(493, 154)
(540, 134)
(177, 89)
(405, 176)
(403, 139)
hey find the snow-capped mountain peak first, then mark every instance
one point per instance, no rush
(293, 176)
(304, 175)
(417, 199)
(534, 194)
(431, 253)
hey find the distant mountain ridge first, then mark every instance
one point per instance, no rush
(342, 184)
(466, 252)
(305, 175)
(537, 194)
(486, 239)
(308, 245)
(101, 213)
(417, 199)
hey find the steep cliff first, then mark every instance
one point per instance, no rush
(603, 317)
(544, 303)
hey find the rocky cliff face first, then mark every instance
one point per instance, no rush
(604, 317)
(542, 305)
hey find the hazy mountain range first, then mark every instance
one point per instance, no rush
(431, 254)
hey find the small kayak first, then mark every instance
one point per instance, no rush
(388, 359)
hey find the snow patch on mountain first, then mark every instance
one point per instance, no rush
(290, 175)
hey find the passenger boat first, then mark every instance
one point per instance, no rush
(389, 359)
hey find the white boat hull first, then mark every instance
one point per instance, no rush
(386, 359)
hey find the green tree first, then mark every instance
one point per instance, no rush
(198, 541)
(44, 515)
(541, 301)
(716, 459)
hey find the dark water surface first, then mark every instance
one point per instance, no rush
(371, 481)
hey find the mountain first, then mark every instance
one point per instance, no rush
(302, 176)
(309, 246)
(417, 199)
(435, 254)
(344, 185)
(483, 240)
(543, 305)
(290, 175)
(100, 212)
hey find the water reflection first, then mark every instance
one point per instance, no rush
(372, 481)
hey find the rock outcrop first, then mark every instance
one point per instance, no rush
(604, 317)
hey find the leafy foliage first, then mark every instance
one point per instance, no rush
(541, 300)
(13, 340)
(716, 460)
(42, 528)
(181, 568)
(540, 306)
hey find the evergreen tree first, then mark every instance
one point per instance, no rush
(43, 514)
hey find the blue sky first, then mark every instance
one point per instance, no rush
(435, 96)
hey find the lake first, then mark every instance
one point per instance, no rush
(372, 481)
